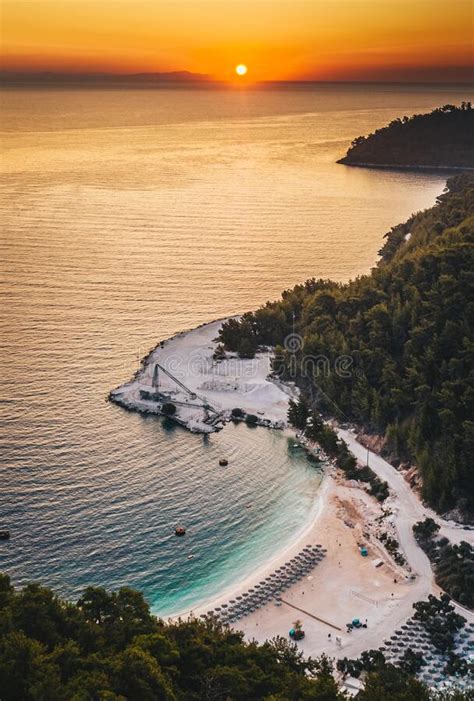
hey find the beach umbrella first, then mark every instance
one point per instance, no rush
(232, 601)
(238, 597)
(224, 606)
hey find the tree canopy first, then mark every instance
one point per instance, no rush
(108, 647)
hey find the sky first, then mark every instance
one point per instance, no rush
(277, 39)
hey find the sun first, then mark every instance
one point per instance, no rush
(241, 69)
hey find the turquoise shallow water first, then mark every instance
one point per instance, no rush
(128, 216)
(114, 524)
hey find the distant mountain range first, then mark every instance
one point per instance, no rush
(17, 78)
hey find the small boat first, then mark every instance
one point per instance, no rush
(180, 530)
(4, 535)
(223, 462)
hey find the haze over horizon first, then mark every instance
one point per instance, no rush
(346, 40)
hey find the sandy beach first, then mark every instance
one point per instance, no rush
(345, 585)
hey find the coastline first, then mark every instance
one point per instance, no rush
(256, 393)
(407, 168)
(345, 584)
(301, 538)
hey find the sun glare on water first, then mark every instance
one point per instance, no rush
(241, 69)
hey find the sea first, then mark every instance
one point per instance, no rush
(126, 216)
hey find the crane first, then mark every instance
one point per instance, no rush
(155, 383)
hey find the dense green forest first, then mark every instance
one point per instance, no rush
(453, 564)
(445, 137)
(393, 350)
(108, 647)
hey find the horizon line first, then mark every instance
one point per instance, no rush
(184, 77)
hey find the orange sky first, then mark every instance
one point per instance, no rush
(277, 39)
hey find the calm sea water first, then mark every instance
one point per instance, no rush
(130, 215)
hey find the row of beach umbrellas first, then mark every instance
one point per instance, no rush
(271, 587)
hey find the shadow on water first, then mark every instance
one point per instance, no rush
(169, 425)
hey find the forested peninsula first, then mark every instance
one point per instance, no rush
(443, 138)
(405, 333)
